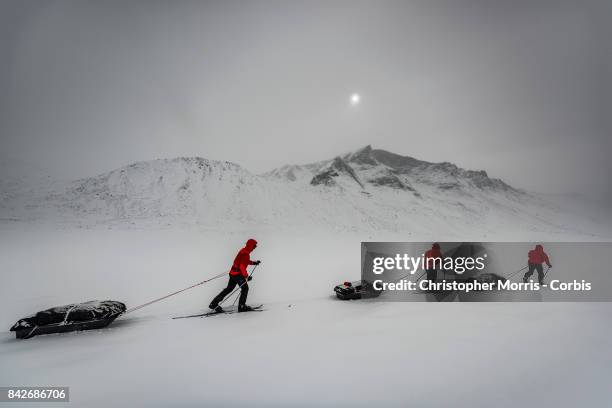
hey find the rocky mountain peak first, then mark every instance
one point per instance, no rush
(379, 168)
(337, 167)
(362, 156)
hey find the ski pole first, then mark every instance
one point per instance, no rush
(235, 299)
(239, 287)
(238, 294)
(546, 273)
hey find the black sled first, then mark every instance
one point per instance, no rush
(80, 316)
(356, 290)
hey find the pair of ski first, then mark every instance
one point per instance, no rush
(258, 308)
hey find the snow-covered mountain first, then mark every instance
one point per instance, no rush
(365, 190)
(369, 167)
(180, 187)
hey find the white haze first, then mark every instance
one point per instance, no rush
(520, 89)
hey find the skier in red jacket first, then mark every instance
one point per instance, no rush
(431, 257)
(238, 275)
(535, 258)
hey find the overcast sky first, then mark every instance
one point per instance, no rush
(521, 89)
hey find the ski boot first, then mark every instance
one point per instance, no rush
(244, 308)
(216, 308)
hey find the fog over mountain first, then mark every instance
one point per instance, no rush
(521, 89)
(366, 190)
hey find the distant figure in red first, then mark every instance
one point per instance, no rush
(535, 259)
(430, 262)
(238, 275)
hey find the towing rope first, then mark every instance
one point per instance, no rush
(508, 277)
(68, 314)
(173, 293)
(514, 273)
(522, 269)
(416, 280)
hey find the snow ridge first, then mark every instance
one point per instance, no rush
(366, 190)
(385, 169)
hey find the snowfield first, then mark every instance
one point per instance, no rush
(130, 236)
(306, 349)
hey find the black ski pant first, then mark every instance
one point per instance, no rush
(532, 268)
(233, 281)
(432, 275)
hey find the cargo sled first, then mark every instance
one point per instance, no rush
(360, 289)
(79, 316)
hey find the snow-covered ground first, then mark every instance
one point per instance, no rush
(307, 349)
(150, 228)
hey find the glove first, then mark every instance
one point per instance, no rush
(256, 262)
(250, 278)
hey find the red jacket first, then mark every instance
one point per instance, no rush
(243, 259)
(538, 256)
(430, 255)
